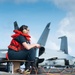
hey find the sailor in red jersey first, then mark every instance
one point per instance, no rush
(20, 47)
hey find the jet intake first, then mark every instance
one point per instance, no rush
(41, 50)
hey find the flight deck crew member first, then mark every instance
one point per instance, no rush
(20, 47)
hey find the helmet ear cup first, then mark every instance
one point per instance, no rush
(24, 31)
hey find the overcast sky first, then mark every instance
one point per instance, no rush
(36, 14)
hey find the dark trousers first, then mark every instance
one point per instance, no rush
(22, 55)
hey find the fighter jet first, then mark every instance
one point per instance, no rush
(43, 55)
(58, 57)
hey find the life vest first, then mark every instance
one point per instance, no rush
(14, 45)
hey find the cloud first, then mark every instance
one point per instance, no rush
(52, 45)
(67, 24)
(67, 27)
(64, 4)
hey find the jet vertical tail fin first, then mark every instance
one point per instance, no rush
(42, 41)
(16, 25)
(64, 45)
(43, 38)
